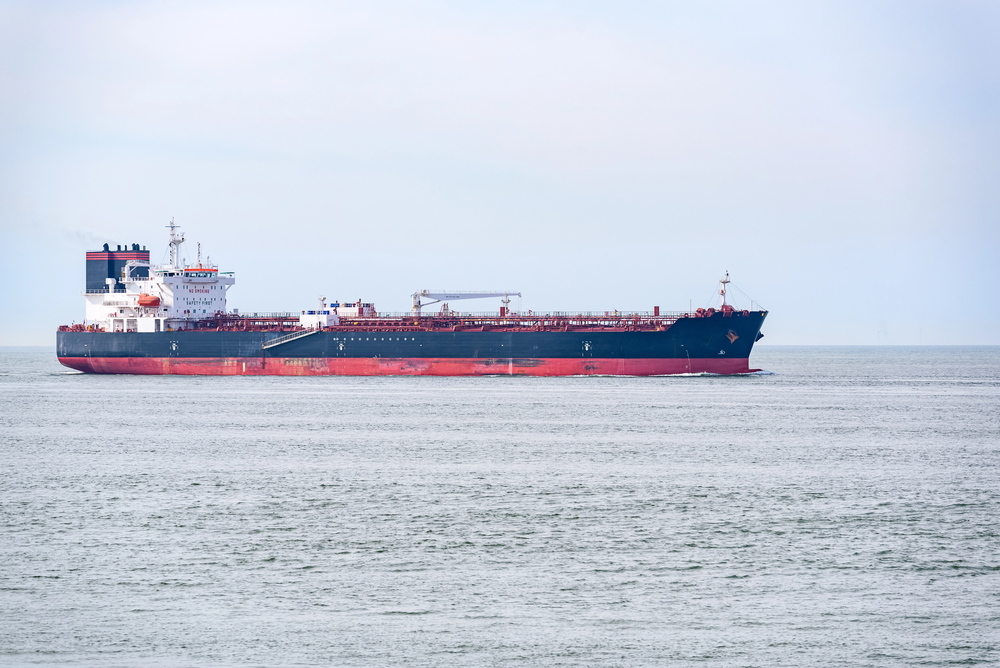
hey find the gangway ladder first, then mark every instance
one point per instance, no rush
(294, 336)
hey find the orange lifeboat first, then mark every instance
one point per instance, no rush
(148, 301)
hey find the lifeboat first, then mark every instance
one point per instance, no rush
(148, 301)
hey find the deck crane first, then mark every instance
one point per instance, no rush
(440, 296)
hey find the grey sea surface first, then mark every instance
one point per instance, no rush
(843, 510)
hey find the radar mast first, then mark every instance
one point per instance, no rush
(176, 239)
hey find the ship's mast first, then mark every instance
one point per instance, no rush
(725, 281)
(175, 244)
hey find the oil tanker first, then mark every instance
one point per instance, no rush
(172, 319)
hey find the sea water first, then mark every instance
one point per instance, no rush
(842, 510)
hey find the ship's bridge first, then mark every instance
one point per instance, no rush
(153, 298)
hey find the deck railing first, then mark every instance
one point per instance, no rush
(562, 315)
(287, 338)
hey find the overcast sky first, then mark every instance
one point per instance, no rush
(840, 160)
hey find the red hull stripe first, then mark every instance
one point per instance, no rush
(119, 255)
(370, 366)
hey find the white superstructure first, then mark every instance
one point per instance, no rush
(173, 296)
(327, 316)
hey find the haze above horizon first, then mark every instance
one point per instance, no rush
(840, 160)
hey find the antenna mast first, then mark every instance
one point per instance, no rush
(175, 244)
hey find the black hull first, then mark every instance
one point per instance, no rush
(720, 342)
